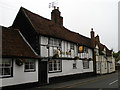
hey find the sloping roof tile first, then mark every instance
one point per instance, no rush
(45, 26)
(14, 45)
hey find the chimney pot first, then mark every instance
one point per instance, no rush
(54, 7)
(91, 29)
(58, 8)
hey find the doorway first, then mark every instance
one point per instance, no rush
(42, 73)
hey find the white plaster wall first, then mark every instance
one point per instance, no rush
(113, 61)
(19, 76)
(75, 50)
(67, 68)
(51, 53)
(44, 40)
(43, 47)
(103, 69)
(65, 45)
(44, 51)
(86, 55)
(90, 53)
(109, 69)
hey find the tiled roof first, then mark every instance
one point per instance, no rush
(46, 27)
(101, 48)
(13, 44)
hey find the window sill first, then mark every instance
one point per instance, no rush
(6, 76)
(85, 68)
(75, 68)
(29, 70)
(54, 71)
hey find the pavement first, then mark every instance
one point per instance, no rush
(99, 82)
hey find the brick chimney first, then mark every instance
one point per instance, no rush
(92, 33)
(93, 45)
(92, 38)
(55, 16)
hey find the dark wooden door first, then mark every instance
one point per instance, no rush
(42, 72)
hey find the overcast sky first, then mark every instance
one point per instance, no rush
(78, 15)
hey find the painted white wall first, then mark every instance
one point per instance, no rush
(110, 58)
(43, 46)
(67, 65)
(19, 76)
(67, 68)
(102, 60)
(65, 46)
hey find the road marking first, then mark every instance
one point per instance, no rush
(113, 82)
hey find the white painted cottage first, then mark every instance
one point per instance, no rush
(63, 53)
(105, 62)
(19, 63)
(44, 51)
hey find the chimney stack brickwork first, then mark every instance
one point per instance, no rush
(55, 16)
(93, 45)
(92, 38)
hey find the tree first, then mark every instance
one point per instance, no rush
(116, 55)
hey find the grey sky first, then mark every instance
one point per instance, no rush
(78, 15)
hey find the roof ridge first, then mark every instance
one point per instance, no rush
(50, 20)
(35, 13)
(43, 26)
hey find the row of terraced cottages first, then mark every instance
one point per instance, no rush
(35, 49)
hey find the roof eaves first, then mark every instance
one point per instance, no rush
(28, 43)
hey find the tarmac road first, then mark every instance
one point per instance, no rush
(99, 82)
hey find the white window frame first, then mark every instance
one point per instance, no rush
(55, 65)
(29, 62)
(3, 67)
(96, 51)
(71, 46)
(85, 49)
(85, 64)
(98, 65)
(111, 65)
(75, 64)
(105, 65)
(55, 42)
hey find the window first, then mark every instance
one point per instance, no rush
(55, 42)
(96, 51)
(105, 65)
(98, 65)
(55, 65)
(29, 65)
(72, 46)
(85, 64)
(5, 67)
(74, 65)
(85, 50)
(111, 65)
(51, 41)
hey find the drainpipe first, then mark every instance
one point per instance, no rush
(100, 65)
